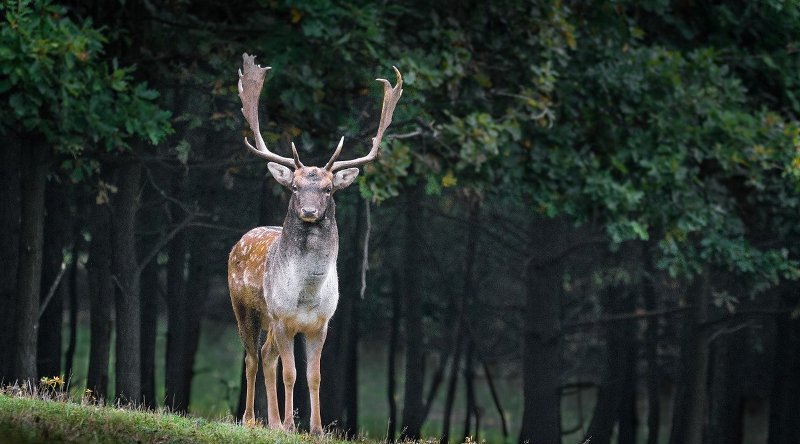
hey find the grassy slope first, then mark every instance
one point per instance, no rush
(26, 420)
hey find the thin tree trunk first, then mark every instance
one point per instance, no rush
(469, 387)
(101, 301)
(127, 279)
(149, 308)
(541, 417)
(351, 401)
(9, 249)
(197, 290)
(35, 165)
(415, 373)
(69, 357)
(627, 407)
(450, 394)
(608, 402)
(468, 300)
(725, 425)
(616, 397)
(689, 413)
(784, 428)
(397, 303)
(175, 397)
(57, 225)
(651, 353)
(187, 297)
(495, 398)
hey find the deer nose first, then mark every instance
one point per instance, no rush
(308, 212)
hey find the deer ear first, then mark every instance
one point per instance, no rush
(343, 178)
(282, 174)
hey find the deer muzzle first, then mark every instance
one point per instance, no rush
(309, 214)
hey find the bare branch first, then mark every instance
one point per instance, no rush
(52, 291)
(164, 241)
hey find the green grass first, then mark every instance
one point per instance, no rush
(26, 420)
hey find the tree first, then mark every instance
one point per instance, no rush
(61, 98)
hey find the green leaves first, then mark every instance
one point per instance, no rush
(57, 84)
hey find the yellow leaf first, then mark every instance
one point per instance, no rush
(449, 180)
(296, 15)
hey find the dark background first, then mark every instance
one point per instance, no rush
(583, 221)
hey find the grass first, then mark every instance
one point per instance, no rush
(29, 419)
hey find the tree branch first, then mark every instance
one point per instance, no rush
(164, 241)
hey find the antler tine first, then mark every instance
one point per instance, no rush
(391, 95)
(297, 162)
(250, 83)
(335, 154)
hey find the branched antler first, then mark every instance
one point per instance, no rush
(251, 80)
(391, 95)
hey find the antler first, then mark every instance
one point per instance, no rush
(391, 95)
(250, 84)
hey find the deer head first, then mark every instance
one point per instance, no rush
(312, 187)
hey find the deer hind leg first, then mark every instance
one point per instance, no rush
(248, 322)
(314, 343)
(284, 339)
(269, 361)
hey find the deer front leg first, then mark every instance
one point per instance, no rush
(269, 362)
(285, 341)
(314, 342)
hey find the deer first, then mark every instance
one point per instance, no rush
(283, 280)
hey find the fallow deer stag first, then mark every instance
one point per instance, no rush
(283, 280)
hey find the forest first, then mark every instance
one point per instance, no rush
(583, 224)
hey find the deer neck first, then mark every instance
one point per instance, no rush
(311, 248)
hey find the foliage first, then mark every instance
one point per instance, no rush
(57, 83)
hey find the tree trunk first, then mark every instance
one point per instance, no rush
(341, 346)
(689, 413)
(9, 249)
(616, 396)
(101, 300)
(627, 407)
(33, 180)
(127, 278)
(184, 338)
(149, 309)
(415, 373)
(175, 397)
(651, 352)
(69, 357)
(51, 321)
(470, 408)
(541, 363)
(468, 300)
(351, 398)
(725, 425)
(450, 394)
(784, 428)
(397, 308)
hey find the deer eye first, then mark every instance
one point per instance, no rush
(328, 190)
(294, 188)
